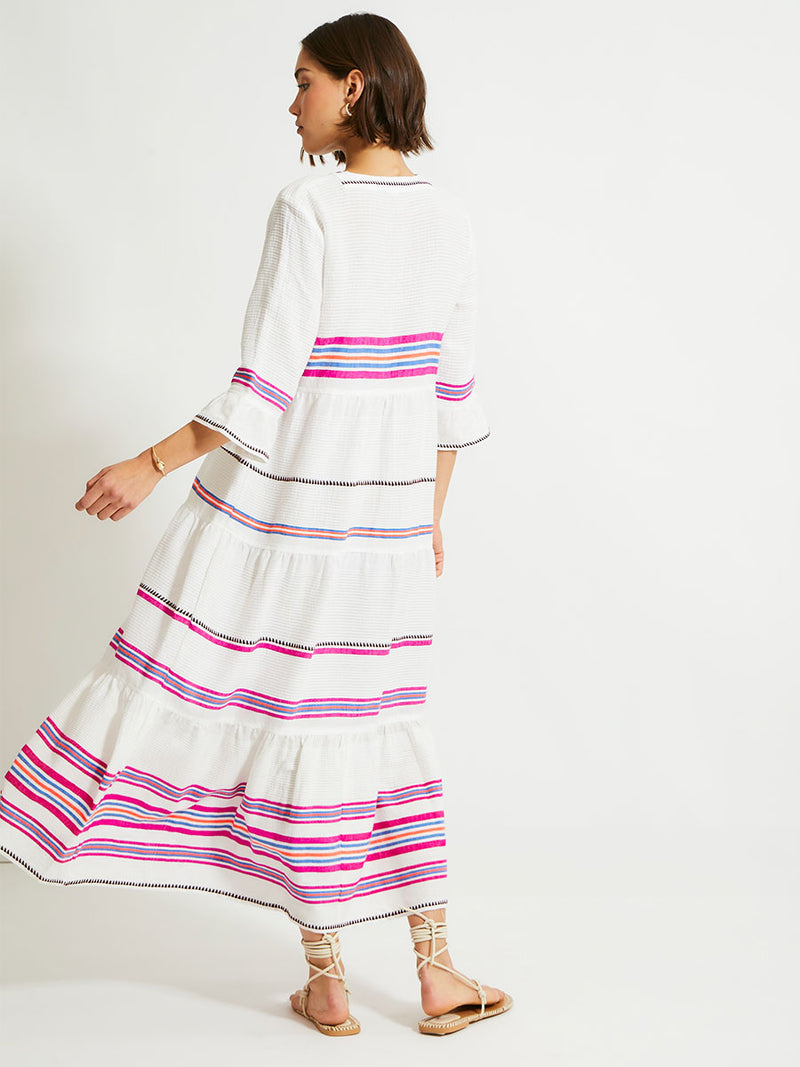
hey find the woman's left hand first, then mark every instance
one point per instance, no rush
(115, 491)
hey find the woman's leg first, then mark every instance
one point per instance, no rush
(327, 1000)
(440, 990)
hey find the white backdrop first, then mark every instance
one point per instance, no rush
(616, 686)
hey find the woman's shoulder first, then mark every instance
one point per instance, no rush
(315, 194)
(300, 192)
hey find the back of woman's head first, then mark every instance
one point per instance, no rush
(391, 108)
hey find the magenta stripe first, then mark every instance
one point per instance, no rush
(96, 777)
(269, 399)
(81, 794)
(242, 376)
(19, 784)
(397, 372)
(396, 339)
(270, 385)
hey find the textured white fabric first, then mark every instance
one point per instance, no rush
(345, 255)
(259, 725)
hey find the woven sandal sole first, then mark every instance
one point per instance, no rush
(460, 1018)
(351, 1025)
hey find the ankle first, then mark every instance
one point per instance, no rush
(430, 967)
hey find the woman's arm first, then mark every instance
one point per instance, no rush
(190, 442)
(116, 490)
(445, 461)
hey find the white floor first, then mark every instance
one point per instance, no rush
(113, 974)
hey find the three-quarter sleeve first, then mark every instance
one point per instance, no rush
(461, 420)
(279, 331)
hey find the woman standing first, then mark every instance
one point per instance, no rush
(256, 727)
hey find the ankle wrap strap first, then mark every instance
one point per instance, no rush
(327, 945)
(428, 930)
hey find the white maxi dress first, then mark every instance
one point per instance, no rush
(257, 725)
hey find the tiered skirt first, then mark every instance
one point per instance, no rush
(258, 725)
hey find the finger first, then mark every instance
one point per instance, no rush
(86, 499)
(90, 501)
(111, 507)
(106, 502)
(121, 513)
(94, 477)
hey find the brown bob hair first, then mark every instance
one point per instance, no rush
(391, 108)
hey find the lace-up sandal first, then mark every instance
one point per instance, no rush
(460, 1017)
(328, 945)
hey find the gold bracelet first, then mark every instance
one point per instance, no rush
(159, 463)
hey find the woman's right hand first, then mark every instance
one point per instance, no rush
(438, 547)
(115, 491)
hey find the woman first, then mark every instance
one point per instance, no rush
(256, 727)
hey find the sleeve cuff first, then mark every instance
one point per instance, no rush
(251, 424)
(461, 423)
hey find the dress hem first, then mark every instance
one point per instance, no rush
(220, 892)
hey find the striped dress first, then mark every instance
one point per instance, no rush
(258, 725)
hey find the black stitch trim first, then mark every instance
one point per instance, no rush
(320, 481)
(377, 181)
(227, 432)
(465, 443)
(220, 892)
(278, 640)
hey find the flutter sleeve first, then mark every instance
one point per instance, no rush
(461, 420)
(279, 331)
